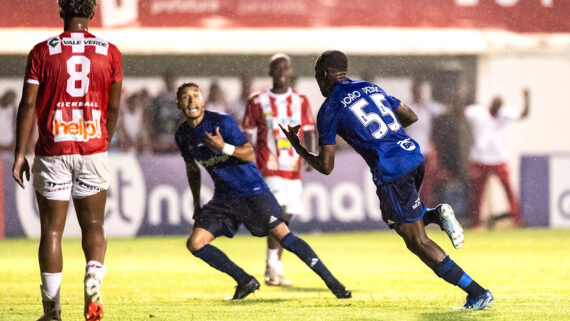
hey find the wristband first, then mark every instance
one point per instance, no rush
(228, 149)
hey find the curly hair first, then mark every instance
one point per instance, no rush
(180, 89)
(76, 8)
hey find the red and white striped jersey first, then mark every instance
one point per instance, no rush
(74, 71)
(264, 112)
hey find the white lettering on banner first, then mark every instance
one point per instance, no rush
(168, 195)
(347, 203)
(318, 193)
(184, 6)
(126, 201)
(119, 13)
(503, 3)
(559, 191)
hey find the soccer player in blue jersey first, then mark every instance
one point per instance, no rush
(372, 122)
(240, 193)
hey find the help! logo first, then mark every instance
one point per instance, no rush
(77, 129)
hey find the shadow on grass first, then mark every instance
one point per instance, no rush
(252, 300)
(456, 315)
(299, 289)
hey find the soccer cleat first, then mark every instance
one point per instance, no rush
(274, 278)
(244, 289)
(343, 294)
(450, 225)
(93, 299)
(52, 311)
(481, 302)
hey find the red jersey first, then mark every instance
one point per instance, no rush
(74, 71)
(264, 112)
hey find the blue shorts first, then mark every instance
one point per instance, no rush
(399, 199)
(258, 213)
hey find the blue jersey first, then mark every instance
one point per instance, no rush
(232, 177)
(362, 114)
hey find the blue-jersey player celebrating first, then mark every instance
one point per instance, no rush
(240, 193)
(372, 122)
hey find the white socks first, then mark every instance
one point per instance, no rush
(96, 268)
(273, 260)
(51, 283)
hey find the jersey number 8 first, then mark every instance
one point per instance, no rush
(78, 67)
(369, 118)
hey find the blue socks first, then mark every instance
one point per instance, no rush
(296, 245)
(219, 261)
(452, 273)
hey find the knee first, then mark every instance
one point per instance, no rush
(193, 244)
(417, 243)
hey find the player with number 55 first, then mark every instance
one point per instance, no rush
(72, 86)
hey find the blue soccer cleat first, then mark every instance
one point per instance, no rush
(481, 302)
(450, 225)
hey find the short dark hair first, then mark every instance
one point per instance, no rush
(332, 59)
(76, 8)
(184, 86)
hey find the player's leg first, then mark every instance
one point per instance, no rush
(479, 174)
(90, 215)
(433, 256)
(53, 215)
(274, 265)
(211, 222)
(89, 193)
(503, 174)
(52, 182)
(298, 246)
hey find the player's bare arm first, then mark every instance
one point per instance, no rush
(323, 162)
(113, 108)
(216, 141)
(310, 141)
(194, 180)
(24, 124)
(406, 115)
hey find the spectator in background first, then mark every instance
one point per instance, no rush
(421, 131)
(276, 159)
(7, 120)
(216, 100)
(164, 117)
(452, 139)
(489, 154)
(133, 123)
(237, 107)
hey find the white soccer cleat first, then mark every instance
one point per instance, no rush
(450, 225)
(93, 299)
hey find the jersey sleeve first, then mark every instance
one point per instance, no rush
(33, 67)
(509, 113)
(252, 115)
(327, 126)
(307, 120)
(231, 132)
(116, 64)
(392, 101)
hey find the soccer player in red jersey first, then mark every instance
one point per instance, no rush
(276, 159)
(73, 85)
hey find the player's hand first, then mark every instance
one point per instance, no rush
(291, 134)
(20, 168)
(215, 141)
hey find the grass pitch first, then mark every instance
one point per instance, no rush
(157, 279)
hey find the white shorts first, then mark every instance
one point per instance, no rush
(59, 177)
(288, 192)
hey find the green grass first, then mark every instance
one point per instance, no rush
(157, 279)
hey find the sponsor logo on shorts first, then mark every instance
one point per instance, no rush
(416, 204)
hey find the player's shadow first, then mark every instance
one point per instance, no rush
(253, 300)
(299, 289)
(457, 315)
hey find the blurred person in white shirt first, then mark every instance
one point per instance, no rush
(489, 153)
(7, 120)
